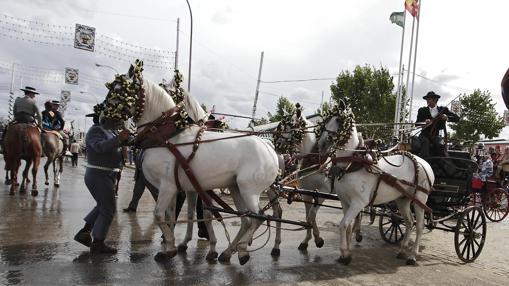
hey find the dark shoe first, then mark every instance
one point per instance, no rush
(129, 210)
(83, 237)
(98, 247)
(202, 233)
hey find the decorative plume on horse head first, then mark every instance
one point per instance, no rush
(290, 132)
(344, 117)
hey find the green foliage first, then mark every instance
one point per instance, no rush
(369, 92)
(324, 108)
(478, 116)
(284, 106)
(260, 121)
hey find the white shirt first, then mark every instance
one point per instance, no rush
(433, 111)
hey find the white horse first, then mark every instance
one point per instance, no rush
(245, 165)
(356, 189)
(307, 149)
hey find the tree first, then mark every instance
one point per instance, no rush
(284, 106)
(324, 108)
(478, 116)
(369, 92)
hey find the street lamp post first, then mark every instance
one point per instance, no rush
(190, 48)
(106, 66)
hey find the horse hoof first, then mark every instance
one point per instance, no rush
(303, 246)
(161, 257)
(319, 242)
(244, 259)
(7, 182)
(411, 262)
(34, 193)
(344, 260)
(358, 237)
(224, 258)
(46, 183)
(276, 252)
(181, 248)
(11, 193)
(401, 255)
(171, 254)
(211, 256)
(57, 185)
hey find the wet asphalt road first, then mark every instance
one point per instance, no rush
(36, 248)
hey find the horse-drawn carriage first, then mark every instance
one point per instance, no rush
(335, 160)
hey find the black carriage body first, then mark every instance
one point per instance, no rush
(452, 187)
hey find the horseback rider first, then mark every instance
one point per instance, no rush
(52, 120)
(25, 108)
(434, 134)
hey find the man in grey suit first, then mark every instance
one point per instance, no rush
(104, 162)
(25, 109)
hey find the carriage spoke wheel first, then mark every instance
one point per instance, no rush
(392, 227)
(470, 234)
(495, 204)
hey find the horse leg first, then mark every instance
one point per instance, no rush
(60, 170)
(350, 212)
(46, 166)
(251, 199)
(165, 205)
(35, 168)
(403, 205)
(308, 205)
(244, 225)
(212, 254)
(312, 218)
(191, 206)
(7, 179)
(14, 177)
(419, 227)
(277, 212)
(357, 227)
(25, 181)
(56, 174)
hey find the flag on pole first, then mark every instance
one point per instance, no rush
(412, 7)
(398, 18)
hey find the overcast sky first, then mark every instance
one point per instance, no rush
(462, 47)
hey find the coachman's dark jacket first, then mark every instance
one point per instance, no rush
(425, 113)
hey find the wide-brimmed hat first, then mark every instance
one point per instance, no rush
(29, 89)
(431, 94)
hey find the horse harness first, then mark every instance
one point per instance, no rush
(361, 160)
(158, 133)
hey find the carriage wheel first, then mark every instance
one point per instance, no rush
(392, 227)
(495, 204)
(470, 234)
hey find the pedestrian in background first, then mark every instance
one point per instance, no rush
(75, 149)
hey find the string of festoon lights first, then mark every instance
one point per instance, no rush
(63, 36)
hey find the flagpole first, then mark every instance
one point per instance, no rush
(397, 112)
(415, 56)
(410, 61)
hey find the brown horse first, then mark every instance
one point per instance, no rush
(23, 141)
(53, 147)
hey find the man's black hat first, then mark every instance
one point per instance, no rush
(431, 94)
(55, 102)
(29, 89)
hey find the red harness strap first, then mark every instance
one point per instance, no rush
(190, 175)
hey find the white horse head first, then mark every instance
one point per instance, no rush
(132, 96)
(294, 134)
(337, 132)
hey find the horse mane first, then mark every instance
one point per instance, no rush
(157, 101)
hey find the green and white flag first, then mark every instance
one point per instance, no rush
(398, 18)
